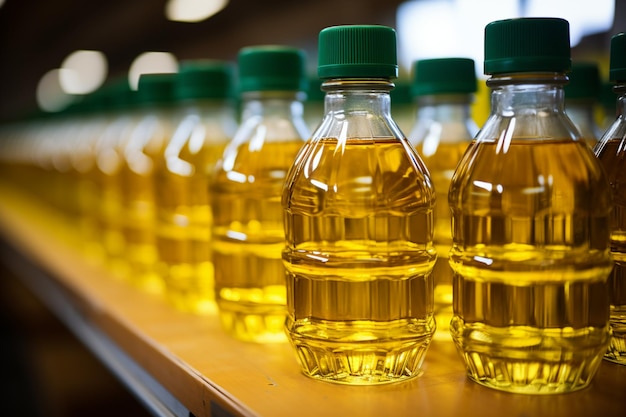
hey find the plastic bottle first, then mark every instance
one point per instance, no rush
(358, 210)
(611, 152)
(314, 103)
(582, 94)
(245, 193)
(142, 150)
(204, 90)
(122, 116)
(443, 89)
(402, 105)
(530, 213)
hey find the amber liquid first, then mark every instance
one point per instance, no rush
(109, 213)
(613, 158)
(530, 261)
(359, 259)
(184, 227)
(441, 165)
(247, 240)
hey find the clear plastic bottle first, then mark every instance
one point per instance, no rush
(121, 109)
(314, 103)
(443, 89)
(530, 213)
(611, 151)
(358, 210)
(582, 94)
(204, 89)
(141, 151)
(402, 105)
(245, 192)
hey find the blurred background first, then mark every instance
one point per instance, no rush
(53, 50)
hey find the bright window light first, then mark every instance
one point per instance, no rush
(447, 28)
(193, 10)
(455, 28)
(151, 62)
(50, 95)
(84, 71)
(585, 17)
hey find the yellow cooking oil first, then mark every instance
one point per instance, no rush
(247, 241)
(443, 90)
(183, 215)
(246, 189)
(359, 257)
(141, 152)
(530, 264)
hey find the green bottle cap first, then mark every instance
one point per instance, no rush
(314, 92)
(401, 93)
(527, 45)
(617, 64)
(444, 76)
(204, 79)
(156, 88)
(584, 81)
(118, 95)
(357, 51)
(271, 68)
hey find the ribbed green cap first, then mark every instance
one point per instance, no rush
(204, 79)
(314, 92)
(401, 93)
(444, 76)
(584, 81)
(157, 88)
(537, 44)
(617, 64)
(357, 51)
(118, 95)
(271, 68)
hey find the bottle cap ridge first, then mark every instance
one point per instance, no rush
(539, 44)
(271, 68)
(357, 51)
(617, 64)
(199, 79)
(444, 76)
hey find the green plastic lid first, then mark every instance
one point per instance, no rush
(444, 76)
(584, 81)
(617, 70)
(198, 79)
(156, 88)
(117, 95)
(357, 51)
(314, 92)
(537, 44)
(401, 93)
(271, 68)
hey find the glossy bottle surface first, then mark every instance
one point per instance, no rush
(359, 257)
(441, 136)
(183, 213)
(530, 221)
(612, 154)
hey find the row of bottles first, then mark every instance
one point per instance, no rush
(356, 240)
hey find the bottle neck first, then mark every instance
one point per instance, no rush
(284, 104)
(444, 108)
(534, 93)
(355, 96)
(620, 89)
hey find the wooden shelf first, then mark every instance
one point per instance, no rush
(179, 363)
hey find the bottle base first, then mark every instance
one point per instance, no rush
(251, 326)
(616, 352)
(526, 360)
(362, 356)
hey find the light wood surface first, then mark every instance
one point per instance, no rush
(199, 364)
